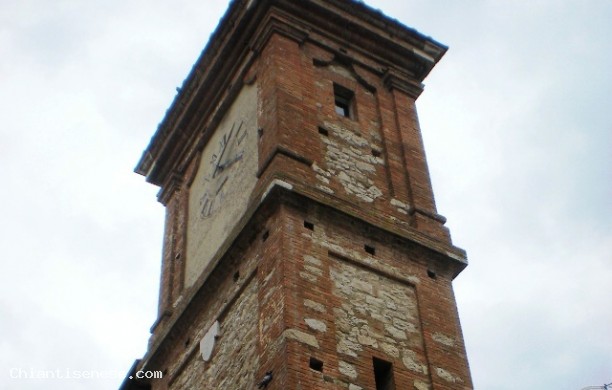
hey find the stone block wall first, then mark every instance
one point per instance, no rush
(355, 294)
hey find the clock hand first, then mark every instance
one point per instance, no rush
(225, 144)
(221, 186)
(231, 162)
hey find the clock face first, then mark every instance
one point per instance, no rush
(223, 164)
(220, 192)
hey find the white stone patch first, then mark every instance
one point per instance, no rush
(312, 260)
(309, 277)
(315, 324)
(420, 385)
(396, 333)
(365, 167)
(347, 369)
(443, 339)
(325, 189)
(365, 339)
(409, 359)
(302, 337)
(313, 270)
(447, 376)
(276, 182)
(314, 306)
(346, 347)
(339, 249)
(390, 349)
(399, 204)
(320, 171)
(354, 387)
(323, 179)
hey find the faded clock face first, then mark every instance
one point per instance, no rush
(222, 165)
(220, 192)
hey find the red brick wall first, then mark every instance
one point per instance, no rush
(305, 293)
(285, 293)
(375, 160)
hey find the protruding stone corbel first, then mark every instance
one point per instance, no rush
(393, 79)
(170, 188)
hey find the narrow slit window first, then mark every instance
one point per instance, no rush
(344, 101)
(383, 374)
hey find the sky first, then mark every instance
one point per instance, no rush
(517, 125)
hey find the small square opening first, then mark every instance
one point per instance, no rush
(369, 249)
(316, 364)
(344, 101)
(309, 225)
(323, 131)
(432, 274)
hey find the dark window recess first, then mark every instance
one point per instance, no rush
(383, 374)
(370, 249)
(344, 101)
(260, 132)
(376, 152)
(236, 276)
(316, 364)
(309, 225)
(265, 235)
(323, 131)
(432, 274)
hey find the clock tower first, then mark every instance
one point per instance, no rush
(302, 247)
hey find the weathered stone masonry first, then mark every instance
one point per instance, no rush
(338, 274)
(350, 306)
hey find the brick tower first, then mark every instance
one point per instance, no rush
(301, 236)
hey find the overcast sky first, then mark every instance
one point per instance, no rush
(517, 123)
